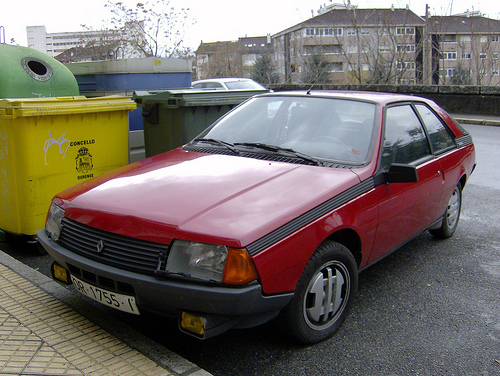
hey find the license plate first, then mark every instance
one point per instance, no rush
(121, 302)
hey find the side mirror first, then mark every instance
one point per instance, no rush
(401, 173)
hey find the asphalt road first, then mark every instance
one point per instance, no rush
(432, 308)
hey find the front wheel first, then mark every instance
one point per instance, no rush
(451, 216)
(323, 294)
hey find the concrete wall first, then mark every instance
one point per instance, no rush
(478, 100)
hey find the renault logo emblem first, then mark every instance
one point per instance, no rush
(100, 246)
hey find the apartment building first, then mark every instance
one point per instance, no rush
(54, 44)
(230, 58)
(350, 45)
(466, 49)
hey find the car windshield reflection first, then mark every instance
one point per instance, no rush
(321, 128)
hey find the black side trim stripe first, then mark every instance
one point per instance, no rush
(310, 216)
(464, 141)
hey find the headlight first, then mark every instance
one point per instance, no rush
(197, 260)
(53, 224)
(211, 262)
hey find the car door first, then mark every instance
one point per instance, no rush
(443, 148)
(405, 209)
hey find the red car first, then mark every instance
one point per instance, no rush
(270, 213)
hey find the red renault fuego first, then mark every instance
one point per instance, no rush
(271, 212)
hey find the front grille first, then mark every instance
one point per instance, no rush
(115, 250)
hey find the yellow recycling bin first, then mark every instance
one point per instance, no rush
(50, 144)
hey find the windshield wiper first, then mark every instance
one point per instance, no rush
(214, 141)
(279, 149)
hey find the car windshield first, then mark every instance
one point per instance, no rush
(322, 128)
(243, 85)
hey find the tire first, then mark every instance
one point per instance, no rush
(323, 295)
(451, 215)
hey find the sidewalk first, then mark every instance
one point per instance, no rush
(40, 334)
(477, 119)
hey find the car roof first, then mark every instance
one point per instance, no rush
(377, 97)
(222, 80)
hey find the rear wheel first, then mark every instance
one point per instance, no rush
(451, 216)
(323, 294)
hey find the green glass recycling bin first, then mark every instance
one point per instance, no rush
(28, 73)
(171, 118)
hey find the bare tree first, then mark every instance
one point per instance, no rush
(154, 28)
(316, 68)
(219, 59)
(383, 47)
(97, 45)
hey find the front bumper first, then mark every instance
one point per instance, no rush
(223, 307)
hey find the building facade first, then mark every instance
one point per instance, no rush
(54, 44)
(466, 50)
(230, 58)
(350, 45)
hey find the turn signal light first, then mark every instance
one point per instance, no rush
(59, 273)
(239, 268)
(193, 324)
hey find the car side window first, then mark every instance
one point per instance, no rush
(405, 140)
(214, 85)
(439, 137)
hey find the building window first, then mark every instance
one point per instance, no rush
(324, 31)
(450, 72)
(352, 31)
(494, 72)
(466, 56)
(495, 55)
(383, 31)
(483, 55)
(450, 55)
(405, 48)
(405, 65)
(336, 67)
(495, 38)
(384, 49)
(450, 38)
(325, 50)
(365, 31)
(405, 31)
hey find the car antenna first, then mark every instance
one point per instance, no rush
(318, 77)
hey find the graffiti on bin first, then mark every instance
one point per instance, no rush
(4, 150)
(60, 142)
(4, 179)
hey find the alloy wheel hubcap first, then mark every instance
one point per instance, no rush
(326, 295)
(453, 208)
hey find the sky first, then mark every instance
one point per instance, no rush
(214, 20)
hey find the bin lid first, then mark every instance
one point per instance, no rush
(28, 73)
(193, 97)
(24, 107)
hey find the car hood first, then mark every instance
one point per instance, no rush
(202, 197)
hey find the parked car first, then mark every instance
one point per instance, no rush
(227, 84)
(270, 213)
